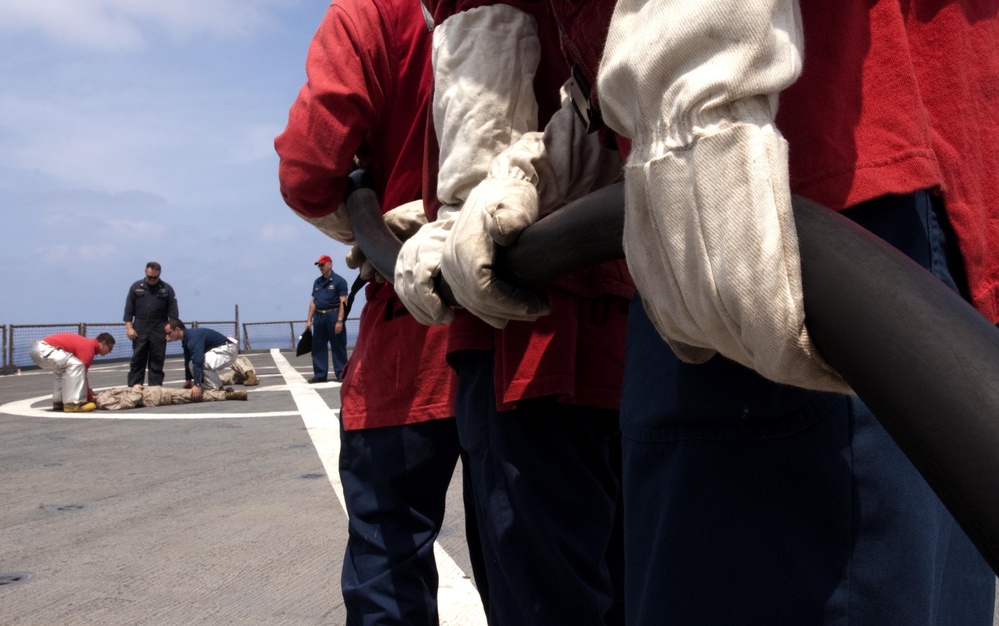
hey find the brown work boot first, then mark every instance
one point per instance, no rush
(251, 379)
(235, 395)
(79, 407)
(57, 406)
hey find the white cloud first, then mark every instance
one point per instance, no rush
(87, 24)
(124, 24)
(86, 142)
(278, 233)
(135, 228)
(132, 130)
(75, 201)
(256, 141)
(78, 254)
(83, 226)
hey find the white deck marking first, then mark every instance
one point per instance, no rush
(24, 408)
(321, 422)
(458, 601)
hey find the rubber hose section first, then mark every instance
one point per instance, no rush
(923, 360)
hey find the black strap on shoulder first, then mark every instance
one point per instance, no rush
(579, 92)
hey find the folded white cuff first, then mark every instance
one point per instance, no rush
(712, 247)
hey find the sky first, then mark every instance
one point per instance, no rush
(135, 131)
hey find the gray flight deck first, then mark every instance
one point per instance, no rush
(212, 513)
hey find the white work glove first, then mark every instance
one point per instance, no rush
(403, 221)
(335, 225)
(496, 207)
(534, 176)
(709, 233)
(478, 112)
(418, 264)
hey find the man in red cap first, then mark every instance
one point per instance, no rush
(366, 102)
(327, 309)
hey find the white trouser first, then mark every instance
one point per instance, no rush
(216, 360)
(70, 373)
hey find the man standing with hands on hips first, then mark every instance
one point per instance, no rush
(327, 311)
(150, 303)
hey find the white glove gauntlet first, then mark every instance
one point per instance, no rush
(727, 275)
(478, 110)
(403, 221)
(709, 234)
(418, 263)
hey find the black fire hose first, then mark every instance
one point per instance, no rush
(923, 360)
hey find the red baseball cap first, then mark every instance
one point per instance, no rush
(324, 259)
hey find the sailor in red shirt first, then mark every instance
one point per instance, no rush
(795, 504)
(749, 501)
(537, 396)
(69, 356)
(366, 102)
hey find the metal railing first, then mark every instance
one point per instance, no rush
(4, 367)
(283, 335)
(17, 338)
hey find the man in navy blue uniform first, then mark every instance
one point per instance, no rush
(149, 304)
(207, 353)
(327, 313)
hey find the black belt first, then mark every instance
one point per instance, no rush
(324, 311)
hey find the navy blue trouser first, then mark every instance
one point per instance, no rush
(323, 334)
(395, 481)
(748, 502)
(546, 484)
(148, 350)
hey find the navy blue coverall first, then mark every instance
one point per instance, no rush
(149, 307)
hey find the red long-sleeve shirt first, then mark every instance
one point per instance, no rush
(576, 353)
(368, 96)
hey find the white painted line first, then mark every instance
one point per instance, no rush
(458, 601)
(23, 408)
(321, 422)
(26, 408)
